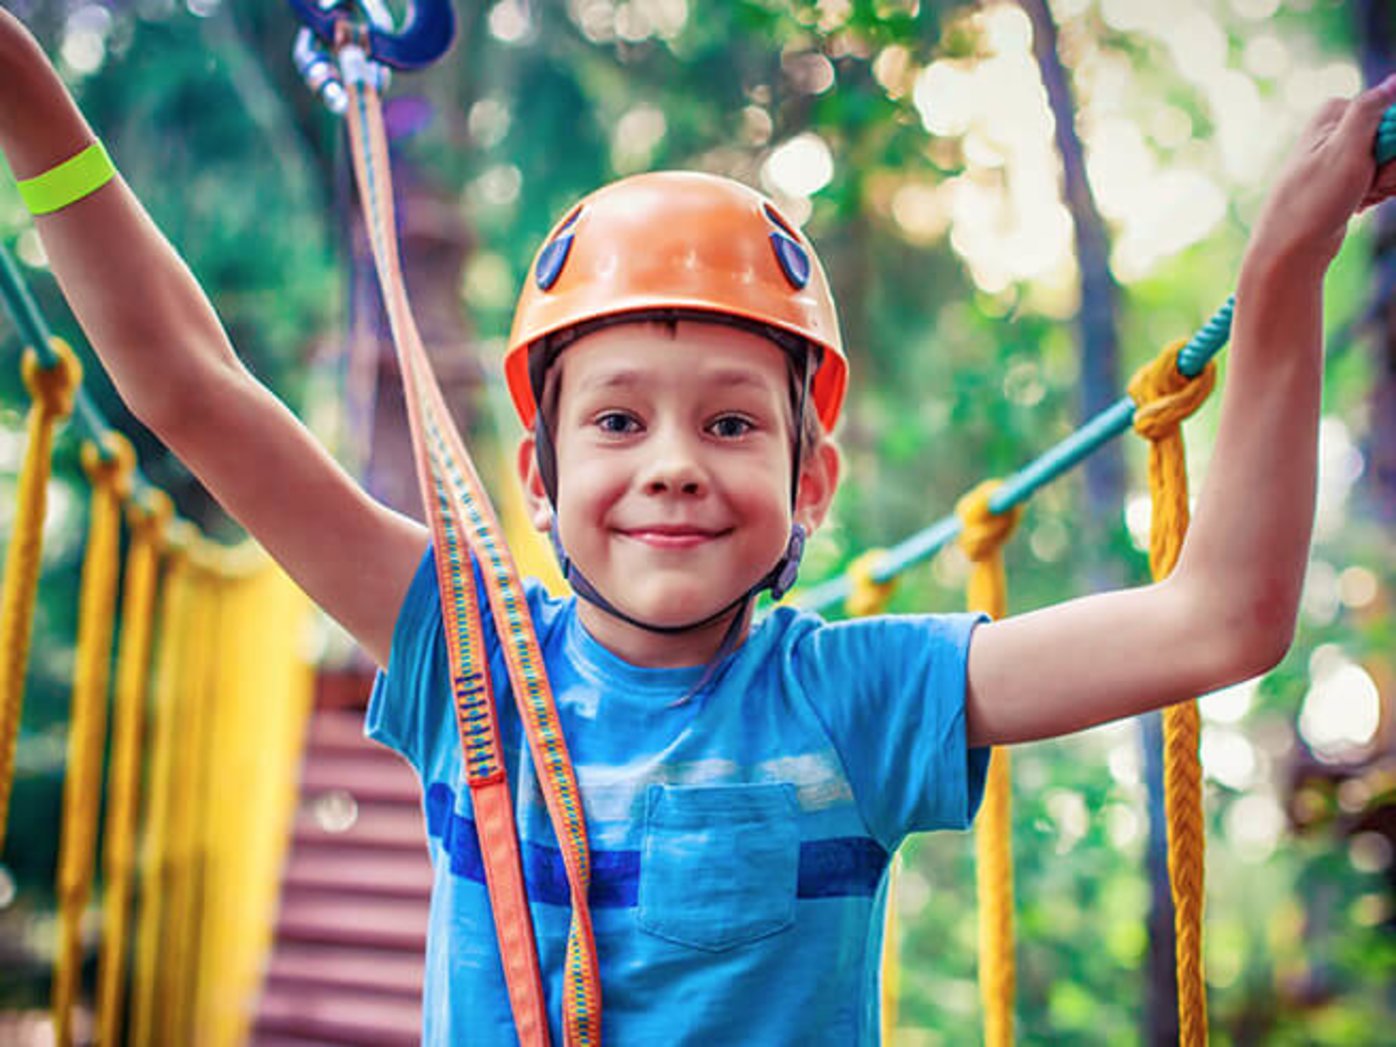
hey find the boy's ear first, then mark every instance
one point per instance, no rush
(540, 510)
(819, 479)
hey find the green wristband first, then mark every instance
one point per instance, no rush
(68, 182)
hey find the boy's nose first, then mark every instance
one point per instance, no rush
(673, 467)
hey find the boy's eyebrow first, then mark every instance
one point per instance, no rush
(621, 378)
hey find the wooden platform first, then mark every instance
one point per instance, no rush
(347, 964)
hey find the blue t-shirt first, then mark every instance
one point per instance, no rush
(739, 838)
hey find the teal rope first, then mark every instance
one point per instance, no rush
(1386, 137)
(19, 303)
(34, 332)
(1052, 463)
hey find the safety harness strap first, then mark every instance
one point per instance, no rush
(463, 524)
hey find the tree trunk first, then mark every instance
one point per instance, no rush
(1104, 485)
(1377, 40)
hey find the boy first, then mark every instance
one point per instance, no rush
(743, 787)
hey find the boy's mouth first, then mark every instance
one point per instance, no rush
(671, 536)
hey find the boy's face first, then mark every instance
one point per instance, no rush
(674, 450)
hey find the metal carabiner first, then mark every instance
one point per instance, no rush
(424, 37)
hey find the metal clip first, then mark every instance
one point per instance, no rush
(425, 36)
(319, 72)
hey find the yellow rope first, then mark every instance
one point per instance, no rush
(1164, 397)
(147, 524)
(867, 596)
(186, 932)
(982, 540)
(167, 710)
(52, 391)
(82, 785)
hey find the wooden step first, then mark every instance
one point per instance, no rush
(333, 966)
(280, 1039)
(368, 779)
(339, 1017)
(351, 871)
(334, 919)
(344, 731)
(392, 827)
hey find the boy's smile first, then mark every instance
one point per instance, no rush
(674, 450)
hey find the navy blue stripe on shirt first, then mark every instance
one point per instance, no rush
(838, 867)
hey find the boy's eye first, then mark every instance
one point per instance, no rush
(617, 422)
(730, 426)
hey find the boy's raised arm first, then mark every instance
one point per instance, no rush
(159, 338)
(1228, 610)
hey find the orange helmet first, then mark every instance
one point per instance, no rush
(683, 241)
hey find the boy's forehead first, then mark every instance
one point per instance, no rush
(634, 354)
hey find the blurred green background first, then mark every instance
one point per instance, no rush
(988, 306)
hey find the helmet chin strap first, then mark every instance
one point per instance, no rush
(779, 579)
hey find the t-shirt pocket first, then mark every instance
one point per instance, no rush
(720, 863)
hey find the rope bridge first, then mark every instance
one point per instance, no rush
(208, 651)
(208, 708)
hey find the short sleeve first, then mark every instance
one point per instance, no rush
(407, 701)
(890, 690)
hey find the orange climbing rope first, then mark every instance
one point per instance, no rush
(982, 540)
(1164, 398)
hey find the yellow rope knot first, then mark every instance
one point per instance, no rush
(867, 596)
(149, 517)
(1164, 396)
(111, 466)
(53, 388)
(985, 530)
(982, 539)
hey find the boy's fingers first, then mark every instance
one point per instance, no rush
(1383, 188)
(1364, 114)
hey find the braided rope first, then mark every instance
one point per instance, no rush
(182, 930)
(1165, 397)
(982, 540)
(82, 785)
(147, 526)
(155, 866)
(52, 391)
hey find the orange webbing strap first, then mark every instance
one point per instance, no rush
(52, 390)
(147, 528)
(982, 540)
(82, 781)
(461, 517)
(1164, 397)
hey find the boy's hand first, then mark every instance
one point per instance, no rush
(1330, 175)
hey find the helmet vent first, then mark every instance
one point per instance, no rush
(793, 258)
(779, 219)
(554, 256)
(794, 261)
